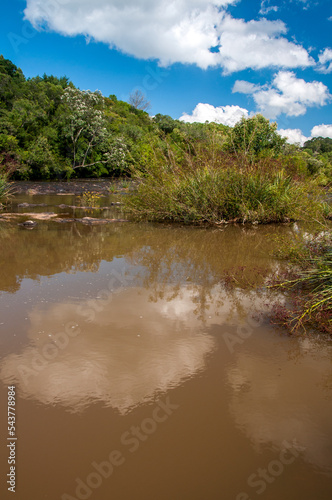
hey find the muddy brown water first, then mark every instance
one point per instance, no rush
(139, 374)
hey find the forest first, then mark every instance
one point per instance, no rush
(49, 129)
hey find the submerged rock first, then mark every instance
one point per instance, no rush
(25, 205)
(29, 224)
(90, 220)
(41, 215)
(32, 215)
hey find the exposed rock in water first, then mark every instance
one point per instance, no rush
(35, 216)
(26, 205)
(91, 220)
(113, 203)
(40, 216)
(29, 224)
(47, 216)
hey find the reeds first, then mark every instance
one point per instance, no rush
(230, 190)
(310, 285)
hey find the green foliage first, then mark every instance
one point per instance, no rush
(309, 282)
(50, 129)
(254, 136)
(90, 199)
(204, 193)
(165, 123)
(8, 68)
(11, 80)
(40, 160)
(319, 145)
(314, 165)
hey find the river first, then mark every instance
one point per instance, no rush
(140, 373)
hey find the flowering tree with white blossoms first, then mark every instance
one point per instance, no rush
(84, 124)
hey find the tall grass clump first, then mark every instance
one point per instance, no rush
(241, 175)
(309, 285)
(238, 192)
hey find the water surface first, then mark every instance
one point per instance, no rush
(141, 374)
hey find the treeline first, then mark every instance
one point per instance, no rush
(49, 129)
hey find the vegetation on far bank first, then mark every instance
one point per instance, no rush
(195, 172)
(246, 174)
(239, 191)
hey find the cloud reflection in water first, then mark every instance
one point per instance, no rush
(132, 350)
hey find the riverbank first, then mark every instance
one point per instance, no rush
(306, 282)
(92, 202)
(71, 187)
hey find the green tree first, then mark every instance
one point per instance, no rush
(41, 159)
(319, 145)
(166, 123)
(252, 136)
(11, 81)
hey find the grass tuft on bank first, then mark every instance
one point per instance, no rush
(236, 191)
(308, 283)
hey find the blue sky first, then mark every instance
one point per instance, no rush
(194, 59)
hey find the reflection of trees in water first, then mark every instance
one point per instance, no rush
(167, 257)
(54, 248)
(203, 259)
(8, 281)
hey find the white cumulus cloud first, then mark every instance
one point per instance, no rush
(257, 45)
(287, 94)
(226, 115)
(293, 136)
(322, 131)
(325, 61)
(173, 31)
(266, 8)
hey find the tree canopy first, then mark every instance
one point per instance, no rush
(319, 145)
(50, 129)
